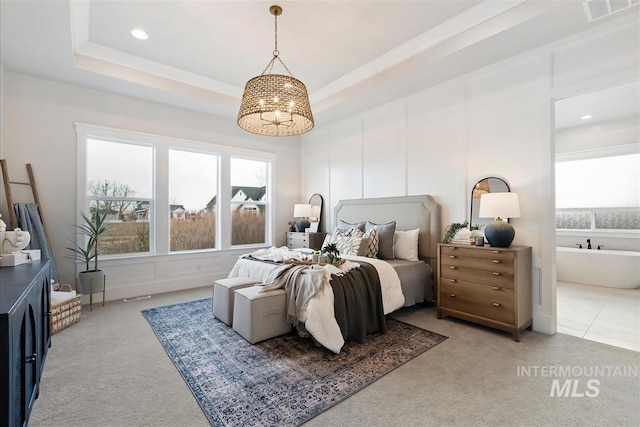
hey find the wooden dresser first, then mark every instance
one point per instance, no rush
(486, 285)
(305, 240)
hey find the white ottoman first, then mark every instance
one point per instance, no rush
(258, 316)
(223, 289)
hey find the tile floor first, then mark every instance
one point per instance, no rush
(597, 313)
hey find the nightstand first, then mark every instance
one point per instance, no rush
(486, 285)
(305, 240)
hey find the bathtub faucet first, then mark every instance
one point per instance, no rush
(579, 245)
(588, 243)
(600, 246)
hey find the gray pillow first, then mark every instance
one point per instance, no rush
(346, 226)
(385, 238)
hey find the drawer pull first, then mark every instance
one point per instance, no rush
(495, 273)
(496, 288)
(496, 304)
(496, 252)
(495, 261)
(31, 359)
(452, 256)
(452, 280)
(452, 295)
(453, 267)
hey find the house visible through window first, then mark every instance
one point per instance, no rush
(193, 184)
(161, 195)
(248, 201)
(120, 185)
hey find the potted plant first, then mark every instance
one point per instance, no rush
(332, 253)
(92, 230)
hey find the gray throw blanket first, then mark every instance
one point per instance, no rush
(358, 303)
(29, 220)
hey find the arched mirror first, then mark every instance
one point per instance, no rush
(316, 209)
(490, 184)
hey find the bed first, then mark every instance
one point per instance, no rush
(402, 282)
(410, 212)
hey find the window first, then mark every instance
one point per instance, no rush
(598, 193)
(193, 188)
(163, 195)
(120, 184)
(248, 201)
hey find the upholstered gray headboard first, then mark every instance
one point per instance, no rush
(409, 212)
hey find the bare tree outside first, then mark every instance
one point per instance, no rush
(108, 188)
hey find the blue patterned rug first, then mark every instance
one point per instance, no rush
(283, 381)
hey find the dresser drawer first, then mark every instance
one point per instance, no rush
(492, 254)
(487, 264)
(484, 277)
(483, 301)
(305, 240)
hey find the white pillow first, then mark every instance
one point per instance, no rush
(405, 244)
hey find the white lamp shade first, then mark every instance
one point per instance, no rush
(302, 210)
(499, 205)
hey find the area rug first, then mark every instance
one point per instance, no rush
(283, 381)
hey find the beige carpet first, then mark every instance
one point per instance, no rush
(110, 370)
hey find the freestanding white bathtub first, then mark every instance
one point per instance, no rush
(614, 269)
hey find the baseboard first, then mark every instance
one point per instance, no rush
(543, 322)
(150, 288)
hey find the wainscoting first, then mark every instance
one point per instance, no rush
(606, 315)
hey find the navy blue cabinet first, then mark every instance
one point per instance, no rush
(25, 337)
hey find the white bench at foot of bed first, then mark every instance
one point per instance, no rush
(258, 316)
(223, 293)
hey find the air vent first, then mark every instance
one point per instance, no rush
(598, 9)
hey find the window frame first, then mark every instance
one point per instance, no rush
(159, 224)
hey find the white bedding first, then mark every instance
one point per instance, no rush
(319, 318)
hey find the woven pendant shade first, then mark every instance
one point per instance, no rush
(275, 104)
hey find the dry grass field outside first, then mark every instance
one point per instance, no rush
(193, 233)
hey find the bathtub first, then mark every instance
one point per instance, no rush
(613, 269)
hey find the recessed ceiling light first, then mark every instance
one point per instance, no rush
(139, 34)
(586, 117)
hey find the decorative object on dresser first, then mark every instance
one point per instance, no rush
(486, 285)
(305, 240)
(500, 206)
(302, 211)
(452, 231)
(489, 184)
(25, 337)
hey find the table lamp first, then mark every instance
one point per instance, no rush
(500, 206)
(302, 211)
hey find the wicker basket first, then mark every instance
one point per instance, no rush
(66, 313)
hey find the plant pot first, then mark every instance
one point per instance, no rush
(91, 282)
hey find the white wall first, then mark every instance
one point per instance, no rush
(38, 120)
(497, 121)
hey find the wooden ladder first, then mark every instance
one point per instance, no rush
(7, 190)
